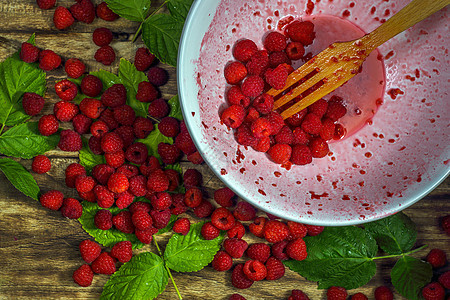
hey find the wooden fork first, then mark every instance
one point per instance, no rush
(341, 61)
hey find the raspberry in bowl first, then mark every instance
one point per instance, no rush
(393, 146)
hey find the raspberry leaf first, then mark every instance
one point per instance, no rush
(89, 159)
(25, 141)
(153, 139)
(175, 108)
(108, 79)
(179, 8)
(339, 256)
(32, 39)
(19, 177)
(136, 10)
(169, 226)
(143, 277)
(131, 77)
(190, 253)
(410, 275)
(395, 234)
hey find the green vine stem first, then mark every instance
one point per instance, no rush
(403, 254)
(168, 270)
(140, 25)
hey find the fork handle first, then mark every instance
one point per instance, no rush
(414, 12)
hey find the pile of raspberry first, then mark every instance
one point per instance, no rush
(299, 138)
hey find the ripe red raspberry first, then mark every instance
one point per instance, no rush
(328, 129)
(126, 133)
(41, 164)
(115, 96)
(83, 11)
(124, 200)
(275, 41)
(137, 153)
(233, 116)
(280, 153)
(151, 165)
(146, 236)
(65, 111)
(301, 155)
(84, 183)
(335, 109)
(140, 205)
(88, 196)
(195, 158)
(279, 250)
(258, 63)
(83, 275)
(261, 128)
(111, 142)
(264, 105)
(98, 129)
(263, 144)
(192, 178)
(433, 291)
(123, 222)
(118, 183)
(255, 270)
(103, 219)
(445, 224)
(244, 49)
(312, 124)
(295, 50)
(235, 247)
(66, 90)
(105, 55)
(158, 109)
(209, 231)
(275, 231)
(239, 279)
(62, 18)
(49, 60)
(101, 173)
(161, 201)
(277, 77)
(29, 53)
(105, 198)
(383, 293)
(314, 230)
(89, 250)
(45, 4)
(284, 136)
(319, 147)
(182, 226)
(437, 258)
(125, 115)
(336, 293)
(237, 231)
(278, 58)
(72, 172)
(70, 141)
(157, 181)
(184, 142)
(300, 136)
(142, 127)
(244, 211)
(104, 264)
(319, 108)
(296, 230)
(276, 120)
(253, 86)
(193, 197)
(259, 251)
(160, 218)
(128, 170)
(302, 32)
(222, 218)
(296, 249)
(157, 76)
(107, 116)
(298, 295)
(237, 297)
(444, 279)
(178, 206)
(169, 154)
(225, 197)
(102, 36)
(222, 261)
(91, 108)
(105, 13)
(257, 227)
(275, 269)
(296, 119)
(235, 72)
(235, 96)
(74, 68)
(146, 92)
(52, 199)
(143, 59)
(359, 296)
(169, 126)
(122, 251)
(91, 86)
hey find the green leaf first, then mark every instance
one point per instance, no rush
(89, 159)
(32, 39)
(153, 139)
(17, 78)
(25, 141)
(131, 77)
(134, 10)
(395, 234)
(108, 79)
(19, 177)
(143, 277)
(175, 108)
(179, 8)
(410, 275)
(190, 253)
(105, 237)
(161, 34)
(169, 226)
(340, 256)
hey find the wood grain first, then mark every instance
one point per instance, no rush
(39, 248)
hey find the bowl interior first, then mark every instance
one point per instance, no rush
(392, 162)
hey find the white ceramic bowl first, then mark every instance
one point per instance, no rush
(383, 168)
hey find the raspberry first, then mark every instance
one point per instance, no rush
(296, 119)
(225, 197)
(126, 133)
(83, 11)
(298, 295)
(102, 172)
(264, 105)
(157, 181)
(259, 251)
(49, 60)
(158, 109)
(314, 230)
(118, 183)
(237, 231)
(138, 186)
(222, 218)
(261, 128)
(444, 279)
(151, 165)
(157, 76)
(258, 63)
(244, 49)
(169, 153)
(111, 142)
(433, 291)
(312, 124)
(359, 296)
(72, 172)
(41, 164)
(235, 247)
(115, 96)
(178, 206)
(280, 153)
(235, 96)
(296, 249)
(255, 270)
(195, 158)
(279, 250)
(146, 92)
(142, 127)
(296, 230)
(239, 279)
(81, 123)
(277, 77)
(237, 297)
(222, 261)
(102, 36)
(105, 55)
(103, 219)
(169, 127)
(98, 129)
(192, 178)
(182, 226)
(244, 211)
(70, 141)
(328, 129)
(302, 32)
(235, 72)
(383, 293)
(284, 136)
(437, 258)
(263, 144)
(209, 232)
(62, 18)
(233, 116)
(319, 108)
(125, 115)
(84, 183)
(104, 264)
(257, 227)
(128, 170)
(160, 218)
(161, 200)
(52, 199)
(276, 121)
(335, 109)
(339, 132)
(445, 224)
(275, 41)
(139, 205)
(319, 147)
(275, 268)
(91, 86)
(105, 198)
(252, 86)
(184, 142)
(83, 275)
(137, 153)
(65, 111)
(91, 108)
(122, 221)
(204, 209)
(193, 197)
(89, 250)
(124, 199)
(45, 4)
(105, 13)
(107, 116)
(300, 137)
(278, 58)
(275, 231)
(295, 50)
(336, 293)
(88, 196)
(141, 220)
(143, 59)
(122, 251)
(74, 68)
(301, 155)
(146, 236)
(29, 53)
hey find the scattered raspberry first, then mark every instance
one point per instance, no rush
(101, 173)
(146, 236)
(192, 178)
(222, 218)
(83, 275)
(105, 198)
(105, 13)
(169, 126)
(335, 109)
(209, 232)
(111, 142)
(264, 105)
(118, 183)
(319, 108)
(158, 109)
(280, 153)
(255, 270)
(89, 250)
(261, 128)
(445, 224)
(88, 196)
(157, 181)
(107, 116)
(359, 296)
(319, 147)
(444, 279)
(104, 264)
(98, 129)
(66, 90)
(195, 158)
(433, 291)
(252, 86)
(257, 227)
(169, 154)
(184, 142)
(244, 49)
(312, 124)
(275, 269)
(29, 53)
(328, 129)
(91, 86)
(124, 200)
(225, 197)
(72, 172)
(336, 293)
(178, 206)
(70, 141)
(296, 230)
(235, 96)
(275, 41)
(84, 183)
(233, 116)
(128, 170)
(74, 68)
(49, 60)
(146, 92)
(137, 153)
(302, 32)
(103, 219)
(139, 205)
(222, 261)
(275, 231)
(126, 133)
(298, 295)
(91, 108)
(237, 297)
(237, 231)
(160, 218)
(437, 258)
(300, 137)
(102, 36)
(161, 201)
(235, 72)
(83, 11)
(122, 221)
(41, 164)
(239, 279)
(115, 159)
(278, 58)
(301, 155)
(296, 249)
(65, 111)
(284, 136)
(244, 211)
(193, 197)
(143, 59)
(279, 250)
(45, 4)
(383, 293)
(295, 50)
(62, 18)
(258, 63)
(182, 226)
(259, 251)
(105, 55)
(277, 77)
(276, 120)
(52, 199)
(157, 76)
(235, 247)
(296, 119)
(204, 209)
(123, 251)
(314, 230)
(32, 103)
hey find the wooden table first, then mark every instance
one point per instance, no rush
(39, 248)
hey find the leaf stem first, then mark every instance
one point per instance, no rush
(168, 270)
(6, 119)
(140, 26)
(402, 254)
